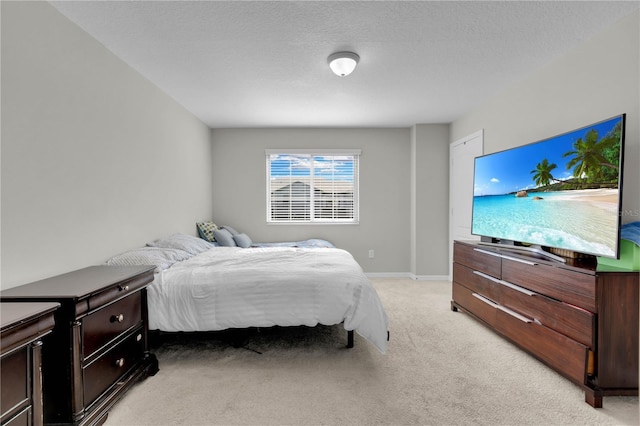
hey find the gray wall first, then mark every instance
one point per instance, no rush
(95, 159)
(595, 81)
(239, 188)
(430, 201)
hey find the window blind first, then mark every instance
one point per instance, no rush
(306, 186)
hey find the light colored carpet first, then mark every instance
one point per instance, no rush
(442, 368)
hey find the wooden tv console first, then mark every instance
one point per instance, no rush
(580, 321)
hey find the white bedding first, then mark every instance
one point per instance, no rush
(232, 287)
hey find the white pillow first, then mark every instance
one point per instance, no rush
(161, 258)
(189, 243)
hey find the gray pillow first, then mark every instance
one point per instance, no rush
(224, 237)
(230, 229)
(242, 240)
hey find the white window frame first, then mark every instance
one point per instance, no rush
(311, 153)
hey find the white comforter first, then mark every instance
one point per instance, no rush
(232, 287)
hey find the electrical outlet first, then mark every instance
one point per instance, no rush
(371, 254)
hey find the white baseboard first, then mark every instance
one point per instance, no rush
(389, 275)
(432, 277)
(408, 275)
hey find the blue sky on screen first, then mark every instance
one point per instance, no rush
(508, 171)
(327, 167)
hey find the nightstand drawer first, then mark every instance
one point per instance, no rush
(104, 325)
(105, 371)
(15, 388)
(119, 291)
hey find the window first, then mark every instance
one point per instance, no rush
(309, 186)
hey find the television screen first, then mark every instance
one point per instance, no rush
(563, 192)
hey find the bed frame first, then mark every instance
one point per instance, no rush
(236, 339)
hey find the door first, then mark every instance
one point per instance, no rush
(462, 154)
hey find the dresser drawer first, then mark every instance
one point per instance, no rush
(578, 289)
(563, 354)
(13, 370)
(22, 419)
(566, 319)
(474, 282)
(466, 299)
(477, 259)
(555, 349)
(104, 325)
(105, 371)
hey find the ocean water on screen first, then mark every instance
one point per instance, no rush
(563, 219)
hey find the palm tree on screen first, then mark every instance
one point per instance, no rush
(588, 156)
(543, 176)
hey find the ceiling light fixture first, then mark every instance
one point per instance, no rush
(343, 63)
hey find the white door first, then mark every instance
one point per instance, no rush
(462, 154)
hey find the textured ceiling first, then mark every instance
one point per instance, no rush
(263, 64)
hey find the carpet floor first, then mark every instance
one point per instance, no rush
(441, 368)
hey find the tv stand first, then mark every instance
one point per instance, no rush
(578, 320)
(525, 249)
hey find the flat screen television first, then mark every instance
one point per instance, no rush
(564, 192)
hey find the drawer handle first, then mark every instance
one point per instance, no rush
(502, 308)
(117, 318)
(485, 300)
(515, 259)
(123, 287)
(490, 253)
(514, 314)
(505, 283)
(120, 362)
(504, 256)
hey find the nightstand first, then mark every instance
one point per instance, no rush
(98, 347)
(23, 326)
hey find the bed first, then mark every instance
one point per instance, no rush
(200, 286)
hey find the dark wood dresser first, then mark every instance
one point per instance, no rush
(23, 326)
(98, 348)
(580, 321)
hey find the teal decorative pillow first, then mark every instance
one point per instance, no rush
(205, 230)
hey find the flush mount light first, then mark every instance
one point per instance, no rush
(343, 63)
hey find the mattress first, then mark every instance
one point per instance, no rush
(232, 287)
